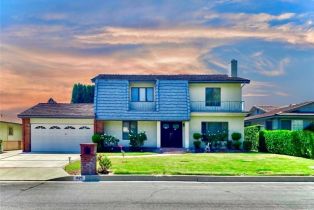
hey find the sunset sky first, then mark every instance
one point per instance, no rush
(46, 46)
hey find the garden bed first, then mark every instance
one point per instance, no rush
(220, 164)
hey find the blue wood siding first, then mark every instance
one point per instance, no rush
(112, 101)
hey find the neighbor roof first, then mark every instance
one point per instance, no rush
(59, 110)
(266, 108)
(284, 110)
(189, 77)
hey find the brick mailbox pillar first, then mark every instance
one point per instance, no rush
(88, 159)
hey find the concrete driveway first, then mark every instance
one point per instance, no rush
(15, 165)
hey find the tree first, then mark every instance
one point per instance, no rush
(82, 93)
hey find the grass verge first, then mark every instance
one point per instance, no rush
(220, 164)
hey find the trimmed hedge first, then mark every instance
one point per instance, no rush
(295, 143)
(251, 135)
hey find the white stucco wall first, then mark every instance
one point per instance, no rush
(150, 127)
(235, 124)
(229, 92)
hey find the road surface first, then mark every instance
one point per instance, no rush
(155, 195)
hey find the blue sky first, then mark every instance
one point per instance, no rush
(46, 46)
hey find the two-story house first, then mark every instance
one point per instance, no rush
(169, 108)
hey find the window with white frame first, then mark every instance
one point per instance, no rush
(142, 94)
(297, 125)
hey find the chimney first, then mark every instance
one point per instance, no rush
(234, 68)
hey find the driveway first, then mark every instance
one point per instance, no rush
(16, 165)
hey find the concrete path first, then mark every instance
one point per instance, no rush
(15, 165)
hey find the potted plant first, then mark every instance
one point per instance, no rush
(236, 140)
(197, 143)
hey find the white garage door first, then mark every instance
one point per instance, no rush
(59, 137)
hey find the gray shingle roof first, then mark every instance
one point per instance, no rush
(59, 110)
(280, 111)
(189, 77)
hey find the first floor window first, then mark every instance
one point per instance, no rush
(215, 128)
(142, 94)
(269, 125)
(11, 133)
(213, 97)
(297, 125)
(127, 128)
(286, 124)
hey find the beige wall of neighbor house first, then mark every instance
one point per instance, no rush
(229, 92)
(11, 134)
(235, 124)
(114, 128)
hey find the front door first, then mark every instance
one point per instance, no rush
(171, 134)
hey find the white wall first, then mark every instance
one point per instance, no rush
(229, 92)
(150, 127)
(235, 124)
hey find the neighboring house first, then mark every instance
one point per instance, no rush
(57, 127)
(11, 135)
(169, 108)
(290, 117)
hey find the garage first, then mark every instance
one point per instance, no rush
(57, 127)
(59, 137)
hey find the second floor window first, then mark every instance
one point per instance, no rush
(213, 97)
(142, 94)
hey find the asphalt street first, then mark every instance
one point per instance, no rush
(155, 195)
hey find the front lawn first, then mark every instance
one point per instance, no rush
(254, 164)
(128, 153)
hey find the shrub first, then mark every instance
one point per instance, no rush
(104, 164)
(197, 136)
(96, 138)
(295, 143)
(197, 144)
(251, 133)
(237, 144)
(109, 140)
(137, 139)
(236, 136)
(104, 141)
(247, 145)
(229, 144)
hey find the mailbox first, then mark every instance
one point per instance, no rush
(88, 159)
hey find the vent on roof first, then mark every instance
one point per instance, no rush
(51, 101)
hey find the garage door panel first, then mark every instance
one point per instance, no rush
(59, 140)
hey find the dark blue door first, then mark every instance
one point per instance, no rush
(171, 134)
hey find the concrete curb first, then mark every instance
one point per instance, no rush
(95, 178)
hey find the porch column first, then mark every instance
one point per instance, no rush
(158, 134)
(186, 134)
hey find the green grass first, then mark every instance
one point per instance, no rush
(128, 153)
(254, 164)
